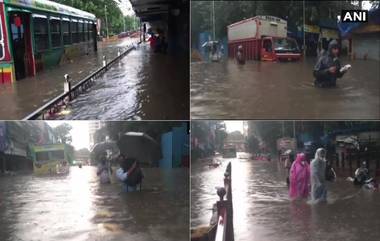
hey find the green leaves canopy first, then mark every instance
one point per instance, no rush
(115, 17)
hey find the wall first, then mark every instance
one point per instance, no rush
(366, 44)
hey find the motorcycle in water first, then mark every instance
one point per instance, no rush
(363, 179)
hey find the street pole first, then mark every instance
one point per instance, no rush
(304, 41)
(124, 24)
(294, 129)
(105, 12)
(134, 22)
(213, 20)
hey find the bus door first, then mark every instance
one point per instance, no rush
(267, 51)
(21, 44)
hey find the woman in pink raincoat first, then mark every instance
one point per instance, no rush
(299, 178)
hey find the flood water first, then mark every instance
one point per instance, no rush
(263, 211)
(267, 90)
(142, 85)
(77, 207)
(26, 95)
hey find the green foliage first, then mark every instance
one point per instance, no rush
(204, 130)
(253, 144)
(62, 132)
(99, 8)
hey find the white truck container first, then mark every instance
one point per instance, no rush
(262, 37)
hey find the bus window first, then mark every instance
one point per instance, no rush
(57, 155)
(90, 31)
(81, 31)
(74, 31)
(55, 29)
(41, 37)
(86, 31)
(66, 31)
(42, 156)
(93, 32)
(2, 48)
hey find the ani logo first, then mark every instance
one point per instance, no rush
(354, 16)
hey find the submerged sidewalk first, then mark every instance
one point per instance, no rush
(24, 96)
(142, 85)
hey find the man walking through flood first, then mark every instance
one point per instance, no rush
(240, 58)
(129, 173)
(328, 69)
(318, 172)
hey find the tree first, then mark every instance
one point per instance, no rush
(220, 135)
(253, 144)
(99, 8)
(62, 132)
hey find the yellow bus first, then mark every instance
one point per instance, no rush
(52, 159)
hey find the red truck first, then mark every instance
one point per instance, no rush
(262, 38)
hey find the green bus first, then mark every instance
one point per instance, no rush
(51, 159)
(229, 151)
(39, 34)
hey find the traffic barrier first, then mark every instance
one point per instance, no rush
(221, 223)
(224, 226)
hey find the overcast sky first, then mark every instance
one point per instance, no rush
(126, 7)
(79, 132)
(234, 126)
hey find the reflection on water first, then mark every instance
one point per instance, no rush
(263, 211)
(142, 85)
(282, 91)
(77, 207)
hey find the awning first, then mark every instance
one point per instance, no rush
(312, 28)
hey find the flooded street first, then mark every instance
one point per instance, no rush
(283, 90)
(77, 207)
(137, 87)
(263, 211)
(26, 95)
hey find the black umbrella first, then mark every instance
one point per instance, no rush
(102, 147)
(140, 146)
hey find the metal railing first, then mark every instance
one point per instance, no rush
(55, 105)
(221, 223)
(224, 226)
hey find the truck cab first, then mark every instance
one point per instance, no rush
(279, 49)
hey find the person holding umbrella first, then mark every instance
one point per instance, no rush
(104, 169)
(129, 173)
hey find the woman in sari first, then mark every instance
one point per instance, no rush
(299, 178)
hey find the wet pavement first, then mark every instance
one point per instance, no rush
(263, 211)
(266, 90)
(24, 96)
(76, 207)
(142, 85)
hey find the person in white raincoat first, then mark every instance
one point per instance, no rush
(318, 176)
